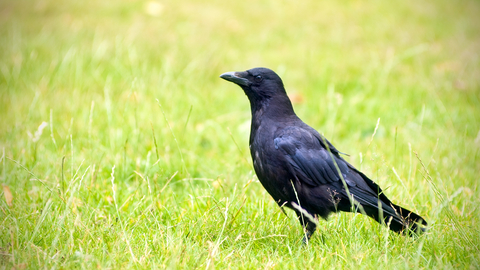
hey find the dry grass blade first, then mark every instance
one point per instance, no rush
(450, 214)
(8, 195)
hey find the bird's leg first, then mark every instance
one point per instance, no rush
(307, 220)
(281, 206)
(309, 230)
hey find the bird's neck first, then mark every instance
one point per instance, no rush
(278, 109)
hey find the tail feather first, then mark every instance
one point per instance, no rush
(395, 217)
(410, 219)
(398, 217)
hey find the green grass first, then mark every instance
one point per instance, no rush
(144, 160)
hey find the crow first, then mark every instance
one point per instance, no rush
(301, 169)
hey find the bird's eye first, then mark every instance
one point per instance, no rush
(258, 78)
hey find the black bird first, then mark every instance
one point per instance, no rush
(301, 169)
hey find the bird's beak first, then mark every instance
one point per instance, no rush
(236, 77)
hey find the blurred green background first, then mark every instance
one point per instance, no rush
(143, 159)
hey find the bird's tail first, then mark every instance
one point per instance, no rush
(397, 218)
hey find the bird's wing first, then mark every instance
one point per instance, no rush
(310, 161)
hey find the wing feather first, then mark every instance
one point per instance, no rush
(310, 161)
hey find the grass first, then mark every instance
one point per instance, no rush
(143, 161)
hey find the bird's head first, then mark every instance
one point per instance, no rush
(257, 83)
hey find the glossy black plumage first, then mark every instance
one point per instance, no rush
(301, 169)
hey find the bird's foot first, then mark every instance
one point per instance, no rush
(306, 238)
